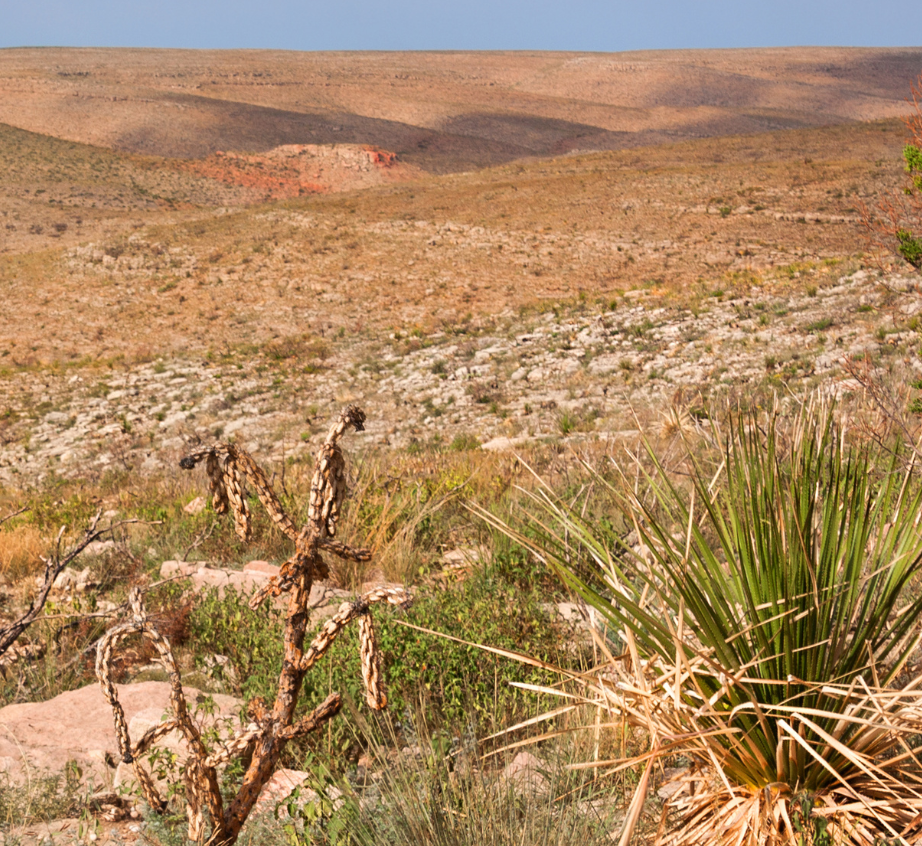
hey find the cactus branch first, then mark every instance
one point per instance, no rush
(228, 468)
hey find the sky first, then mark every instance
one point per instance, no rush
(591, 25)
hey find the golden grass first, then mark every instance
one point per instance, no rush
(21, 548)
(682, 220)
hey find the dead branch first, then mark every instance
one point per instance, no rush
(889, 400)
(14, 514)
(199, 539)
(893, 225)
(262, 740)
(54, 565)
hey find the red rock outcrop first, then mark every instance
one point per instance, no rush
(293, 170)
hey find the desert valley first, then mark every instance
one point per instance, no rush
(510, 261)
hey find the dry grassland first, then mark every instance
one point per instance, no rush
(531, 253)
(298, 277)
(431, 253)
(442, 111)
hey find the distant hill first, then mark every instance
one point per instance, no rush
(442, 112)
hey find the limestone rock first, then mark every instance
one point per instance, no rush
(196, 506)
(526, 774)
(224, 718)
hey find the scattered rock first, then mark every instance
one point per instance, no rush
(70, 579)
(203, 576)
(20, 650)
(463, 556)
(282, 784)
(591, 366)
(196, 506)
(41, 737)
(504, 444)
(111, 806)
(324, 601)
(263, 567)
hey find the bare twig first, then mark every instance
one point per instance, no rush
(54, 565)
(893, 227)
(14, 514)
(113, 612)
(199, 539)
(890, 402)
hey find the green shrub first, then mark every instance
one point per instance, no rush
(464, 442)
(459, 682)
(767, 613)
(909, 247)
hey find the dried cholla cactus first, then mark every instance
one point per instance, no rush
(263, 739)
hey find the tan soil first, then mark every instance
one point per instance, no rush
(111, 261)
(441, 111)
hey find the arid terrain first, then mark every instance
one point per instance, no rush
(490, 253)
(442, 111)
(305, 228)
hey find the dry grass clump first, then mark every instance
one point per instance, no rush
(21, 549)
(441, 792)
(409, 508)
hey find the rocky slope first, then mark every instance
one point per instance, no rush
(577, 373)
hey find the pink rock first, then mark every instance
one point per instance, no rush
(261, 568)
(282, 784)
(205, 577)
(170, 569)
(525, 774)
(225, 720)
(41, 737)
(324, 595)
(196, 506)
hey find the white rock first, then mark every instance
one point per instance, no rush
(526, 774)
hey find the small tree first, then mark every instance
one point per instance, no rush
(894, 225)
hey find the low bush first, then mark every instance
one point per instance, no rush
(763, 616)
(459, 683)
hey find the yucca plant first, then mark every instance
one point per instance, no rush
(762, 628)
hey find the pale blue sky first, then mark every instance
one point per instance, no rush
(460, 25)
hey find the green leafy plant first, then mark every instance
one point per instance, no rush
(464, 442)
(763, 617)
(42, 797)
(457, 681)
(324, 810)
(894, 224)
(909, 247)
